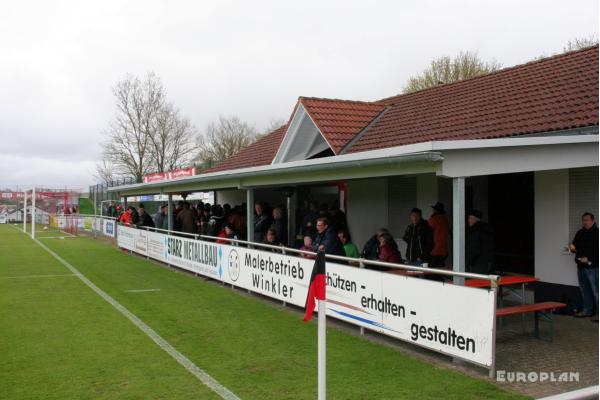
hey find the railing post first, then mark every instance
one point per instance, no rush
(362, 328)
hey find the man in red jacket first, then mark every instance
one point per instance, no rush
(438, 222)
(126, 217)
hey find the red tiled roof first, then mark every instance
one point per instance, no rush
(551, 94)
(258, 153)
(340, 120)
(556, 93)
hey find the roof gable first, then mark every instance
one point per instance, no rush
(340, 120)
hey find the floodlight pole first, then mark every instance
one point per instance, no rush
(322, 348)
(33, 213)
(24, 213)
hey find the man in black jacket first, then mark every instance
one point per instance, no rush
(145, 218)
(327, 239)
(479, 244)
(419, 239)
(262, 222)
(585, 246)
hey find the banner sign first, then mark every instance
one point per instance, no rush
(451, 319)
(174, 174)
(108, 228)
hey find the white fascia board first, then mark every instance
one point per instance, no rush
(366, 156)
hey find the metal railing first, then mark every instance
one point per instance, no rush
(492, 278)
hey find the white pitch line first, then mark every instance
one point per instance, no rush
(199, 373)
(34, 276)
(56, 237)
(142, 290)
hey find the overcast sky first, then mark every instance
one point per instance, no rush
(59, 60)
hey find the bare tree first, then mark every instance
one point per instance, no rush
(147, 133)
(446, 69)
(224, 139)
(581, 43)
(171, 139)
(274, 124)
(105, 172)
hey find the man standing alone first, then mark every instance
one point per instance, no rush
(480, 244)
(419, 239)
(585, 246)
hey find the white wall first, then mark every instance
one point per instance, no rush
(427, 193)
(231, 197)
(552, 228)
(367, 208)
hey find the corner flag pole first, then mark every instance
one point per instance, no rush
(33, 214)
(322, 348)
(24, 213)
(317, 291)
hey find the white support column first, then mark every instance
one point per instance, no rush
(170, 212)
(250, 214)
(33, 213)
(24, 213)
(458, 227)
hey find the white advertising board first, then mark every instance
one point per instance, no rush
(3, 218)
(451, 319)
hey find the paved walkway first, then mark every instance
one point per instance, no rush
(575, 349)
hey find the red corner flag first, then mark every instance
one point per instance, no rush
(316, 290)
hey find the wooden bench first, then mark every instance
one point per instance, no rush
(543, 310)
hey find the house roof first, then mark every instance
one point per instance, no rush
(258, 153)
(340, 120)
(551, 94)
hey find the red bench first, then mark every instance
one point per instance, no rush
(543, 310)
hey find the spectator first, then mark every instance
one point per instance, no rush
(112, 210)
(186, 219)
(349, 248)
(279, 224)
(337, 217)
(585, 246)
(216, 221)
(271, 238)
(204, 219)
(135, 218)
(389, 249)
(479, 250)
(228, 232)
(327, 239)
(310, 218)
(261, 223)
(438, 222)
(160, 216)
(419, 239)
(307, 246)
(371, 248)
(126, 218)
(145, 218)
(165, 218)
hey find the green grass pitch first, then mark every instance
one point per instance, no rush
(60, 340)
